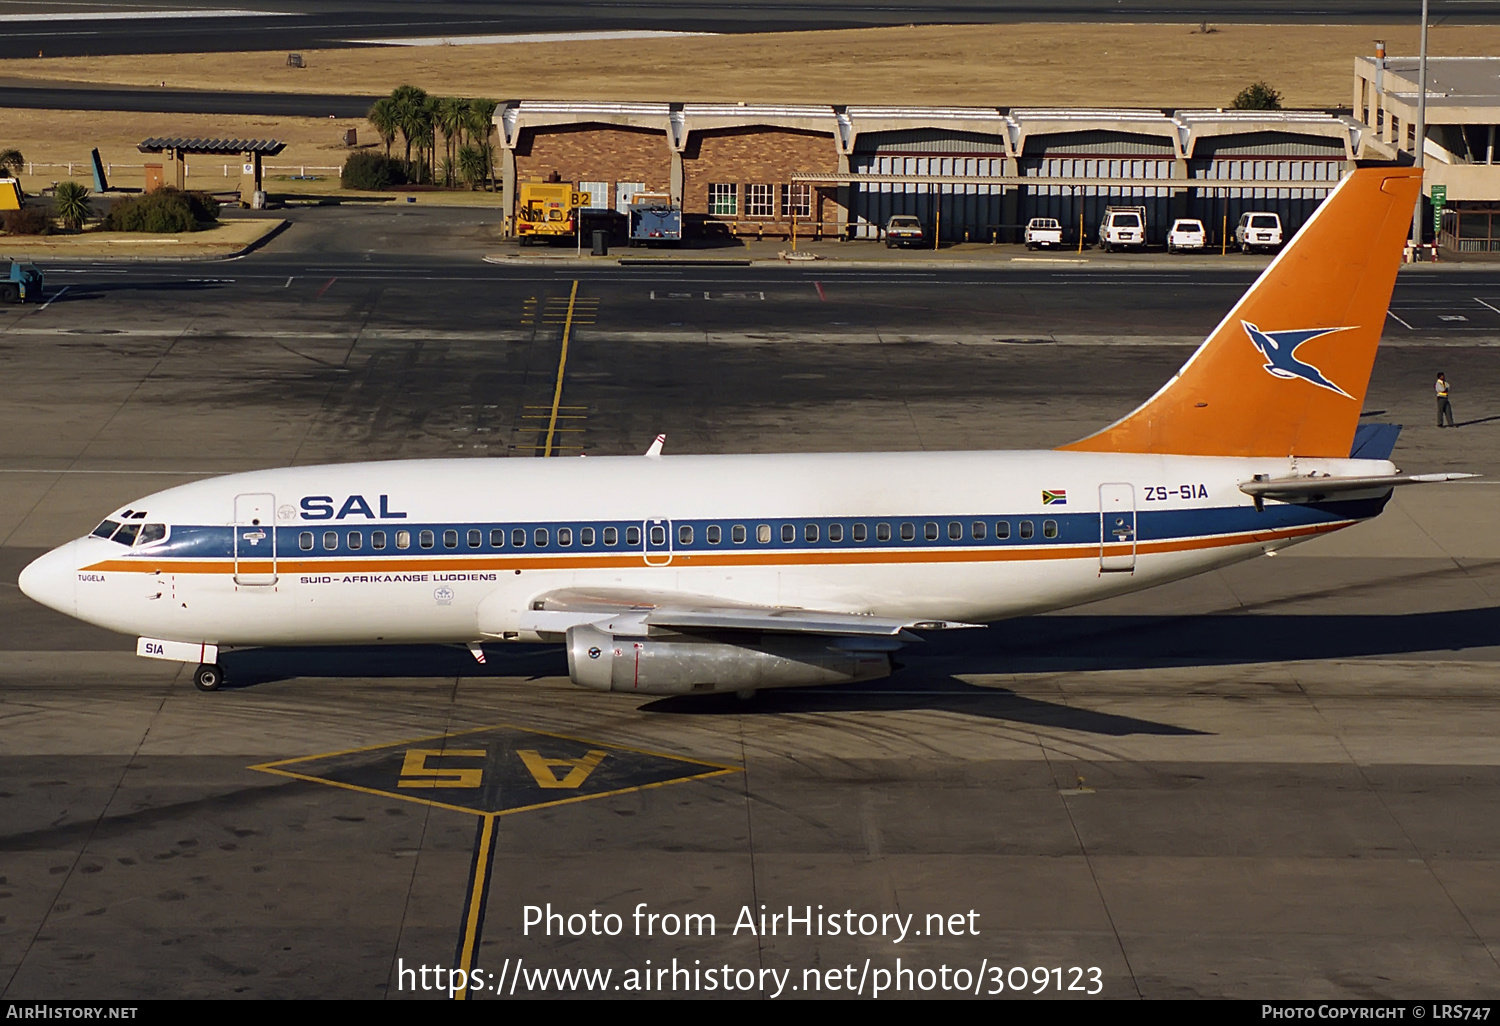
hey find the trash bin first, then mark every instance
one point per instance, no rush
(601, 243)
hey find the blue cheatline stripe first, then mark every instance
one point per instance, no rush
(216, 542)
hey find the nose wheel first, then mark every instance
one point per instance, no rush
(208, 677)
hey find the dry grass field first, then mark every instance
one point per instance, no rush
(1067, 65)
(1008, 65)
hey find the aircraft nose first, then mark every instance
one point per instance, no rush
(52, 579)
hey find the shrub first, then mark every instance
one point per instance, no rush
(165, 211)
(26, 221)
(71, 204)
(1259, 96)
(371, 171)
(205, 208)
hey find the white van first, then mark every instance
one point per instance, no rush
(1187, 234)
(1258, 230)
(1122, 227)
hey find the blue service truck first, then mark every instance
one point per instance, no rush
(654, 218)
(20, 283)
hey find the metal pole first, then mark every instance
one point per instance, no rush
(1421, 145)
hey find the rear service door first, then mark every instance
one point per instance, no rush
(255, 539)
(1117, 528)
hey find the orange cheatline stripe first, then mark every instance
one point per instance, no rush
(618, 560)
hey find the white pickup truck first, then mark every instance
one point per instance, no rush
(1122, 227)
(1043, 231)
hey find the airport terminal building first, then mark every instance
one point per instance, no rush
(971, 174)
(1463, 112)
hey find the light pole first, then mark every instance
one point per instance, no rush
(1421, 144)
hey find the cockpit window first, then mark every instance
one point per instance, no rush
(105, 529)
(126, 535)
(151, 533)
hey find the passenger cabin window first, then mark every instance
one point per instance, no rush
(497, 537)
(1026, 529)
(859, 532)
(976, 529)
(835, 532)
(450, 539)
(909, 532)
(788, 533)
(882, 532)
(685, 535)
(585, 536)
(611, 536)
(955, 530)
(425, 539)
(356, 540)
(1002, 529)
(565, 536)
(518, 537)
(377, 540)
(1049, 528)
(151, 533)
(711, 533)
(476, 538)
(541, 537)
(930, 531)
(658, 535)
(810, 532)
(763, 534)
(737, 534)
(305, 541)
(403, 539)
(632, 536)
(330, 540)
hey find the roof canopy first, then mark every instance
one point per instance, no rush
(269, 147)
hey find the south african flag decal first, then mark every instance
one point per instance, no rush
(1055, 497)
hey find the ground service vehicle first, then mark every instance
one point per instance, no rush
(654, 218)
(1043, 231)
(1257, 230)
(548, 210)
(20, 283)
(694, 574)
(1187, 234)
(904, 230)
(1123, 227)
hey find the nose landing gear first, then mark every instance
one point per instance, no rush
(208, 677)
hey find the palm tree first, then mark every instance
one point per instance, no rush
(385, 119)
(412, 115)
(481, 124)
(471, 166)
(452, 115)
(71, 204)
(12, 160)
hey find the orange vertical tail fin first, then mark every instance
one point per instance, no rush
(1285, 373)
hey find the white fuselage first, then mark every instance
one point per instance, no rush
(456, 551)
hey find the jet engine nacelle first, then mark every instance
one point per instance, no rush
(690, 663)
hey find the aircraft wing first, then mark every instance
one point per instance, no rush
(627, 612)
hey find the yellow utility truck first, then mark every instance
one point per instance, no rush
(547, 210)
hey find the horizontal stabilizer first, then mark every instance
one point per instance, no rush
(1315, 489)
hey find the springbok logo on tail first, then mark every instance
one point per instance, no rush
(1280, 348)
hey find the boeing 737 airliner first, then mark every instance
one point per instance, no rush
(671, 574)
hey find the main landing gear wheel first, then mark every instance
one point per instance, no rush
(208, 677)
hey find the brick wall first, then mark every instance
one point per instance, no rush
(755, 155)
(595, 153)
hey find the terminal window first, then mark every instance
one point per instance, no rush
(796, 200)
(723, 199)
(759, 201)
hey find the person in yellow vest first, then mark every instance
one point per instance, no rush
(1444, 407)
